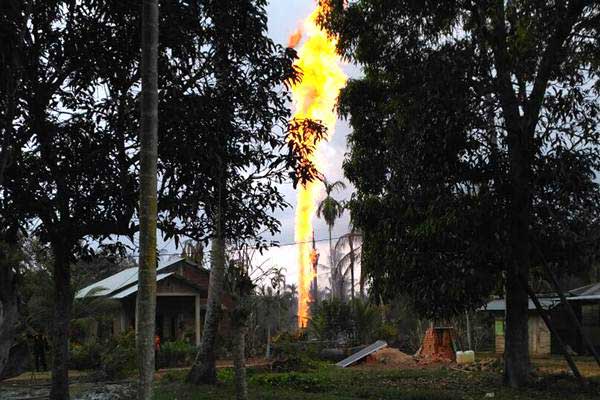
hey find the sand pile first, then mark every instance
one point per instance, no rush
(392, 358)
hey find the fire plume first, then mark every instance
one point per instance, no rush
(314, 98)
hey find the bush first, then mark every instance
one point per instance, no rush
(176, 354)
(353, 323)
(85, 356)
(120, 358)
(293, 353)
(309, 383)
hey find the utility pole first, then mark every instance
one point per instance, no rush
(314, 259)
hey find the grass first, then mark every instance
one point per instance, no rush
(330, 383)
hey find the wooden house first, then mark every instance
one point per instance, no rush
(585, 301)
(182, 290)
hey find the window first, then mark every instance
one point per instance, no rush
(590, 315)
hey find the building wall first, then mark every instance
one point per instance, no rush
(539, 336)
(591, 323)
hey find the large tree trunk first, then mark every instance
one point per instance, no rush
(9, 303)
(239, 363)
(63, 300)
(516, 351)
(204, 368)
(10, 82)
(146, 296)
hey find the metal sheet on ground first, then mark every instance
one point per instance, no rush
(378, 345)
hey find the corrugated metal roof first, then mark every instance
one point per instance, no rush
(130, 290)
(582, 298)
(119, 281)
(588, 290)
(500, 304)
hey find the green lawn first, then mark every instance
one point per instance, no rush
(330, 383)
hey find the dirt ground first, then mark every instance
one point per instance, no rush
(392, 359)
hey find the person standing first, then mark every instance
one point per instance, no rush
(156, 350)
(40, 346)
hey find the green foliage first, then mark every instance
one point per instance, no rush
(86, 356)
(177, 353)
(331, 320)
(329, 208)
(304, 382)
(176, 376)
(474, 142)
(118, 359)
(225, 132)
(332, 383)
(356, 322)
(293, 352)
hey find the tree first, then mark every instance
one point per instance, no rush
(348, 260)
(473, 125)
(330, 209)
(240, 286)
(229, 145)
(12, 25)
(72, 179)
(146, 296)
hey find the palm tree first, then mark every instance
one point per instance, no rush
(330, 209)
(352, 240)
(146, 297)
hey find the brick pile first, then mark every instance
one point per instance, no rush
(437, 345)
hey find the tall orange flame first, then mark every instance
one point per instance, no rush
(314, 98)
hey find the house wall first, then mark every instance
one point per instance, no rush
(176, 305)
(590, 320)
(539, 336)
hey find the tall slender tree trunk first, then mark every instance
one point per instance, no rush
(469, 337)
(334, 277)
(351, 243)
(268, 351)
(239, 363)
(204, 368)
(361, 283)
(146, 296)
(63, 300)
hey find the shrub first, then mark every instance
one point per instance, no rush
(292, 379)
(85, 356)
(178, 353)
(293, 353)
(332, 320)
(119, 359)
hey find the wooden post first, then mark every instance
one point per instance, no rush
(122, 320)
(561, 344)
(469, 341)
(197, 319)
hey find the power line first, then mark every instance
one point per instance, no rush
(273, 246)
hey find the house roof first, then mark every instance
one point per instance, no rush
(120, 281)
(134, 288)
(500, 304)
(549, 300)
(586, 291)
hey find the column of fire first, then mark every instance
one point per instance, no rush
(314, 98)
